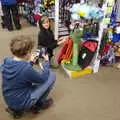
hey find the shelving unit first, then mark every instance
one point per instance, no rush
(107, 6)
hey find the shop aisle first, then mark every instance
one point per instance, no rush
(91, 97)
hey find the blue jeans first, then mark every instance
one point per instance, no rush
(41, 91)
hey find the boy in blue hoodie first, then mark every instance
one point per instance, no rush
(10, 12)
(23, 87)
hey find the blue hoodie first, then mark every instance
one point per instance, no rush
(8, 2)
(18, 77)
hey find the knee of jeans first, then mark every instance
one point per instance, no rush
(53, 76)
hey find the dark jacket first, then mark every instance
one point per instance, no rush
(8, 2)
(18, 77)
(46, 39)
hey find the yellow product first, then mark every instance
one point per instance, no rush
(82, 14)
(76, 74)
(111, 2)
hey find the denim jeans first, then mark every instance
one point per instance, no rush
(41, 91)
(11, 13)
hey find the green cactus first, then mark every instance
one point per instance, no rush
(76, 36)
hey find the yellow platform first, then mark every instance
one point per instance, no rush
(76, 74)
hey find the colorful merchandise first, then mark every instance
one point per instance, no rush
(107, 55)
(87, 53)
(85, 11)
(66, 51)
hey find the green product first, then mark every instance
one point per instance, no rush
(76, 36)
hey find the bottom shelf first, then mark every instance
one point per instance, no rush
(76, 74)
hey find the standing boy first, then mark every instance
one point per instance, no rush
(10, 12)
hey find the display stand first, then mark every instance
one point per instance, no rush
(56, 18)
(94, 67)
(107, 7)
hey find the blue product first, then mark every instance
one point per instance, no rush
(116, 37)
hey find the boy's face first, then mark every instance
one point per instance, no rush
(46, 23)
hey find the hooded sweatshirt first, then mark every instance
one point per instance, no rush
(46, 39)
(18, 77)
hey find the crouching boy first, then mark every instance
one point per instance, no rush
(23, 87)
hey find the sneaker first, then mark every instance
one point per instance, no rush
(35, 109)
(14, 113)
(10, 29)
(3, 25)
(41, 106)
(18, 27)
(46, 104)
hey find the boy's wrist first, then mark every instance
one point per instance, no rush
(31, 62)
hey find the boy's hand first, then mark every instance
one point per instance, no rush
(33, 57)
(46, 57)
(62, 40)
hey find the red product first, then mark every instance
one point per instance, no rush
(37, 17)
(20, 1)
(66, 51)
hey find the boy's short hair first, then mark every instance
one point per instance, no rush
(21, 45)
